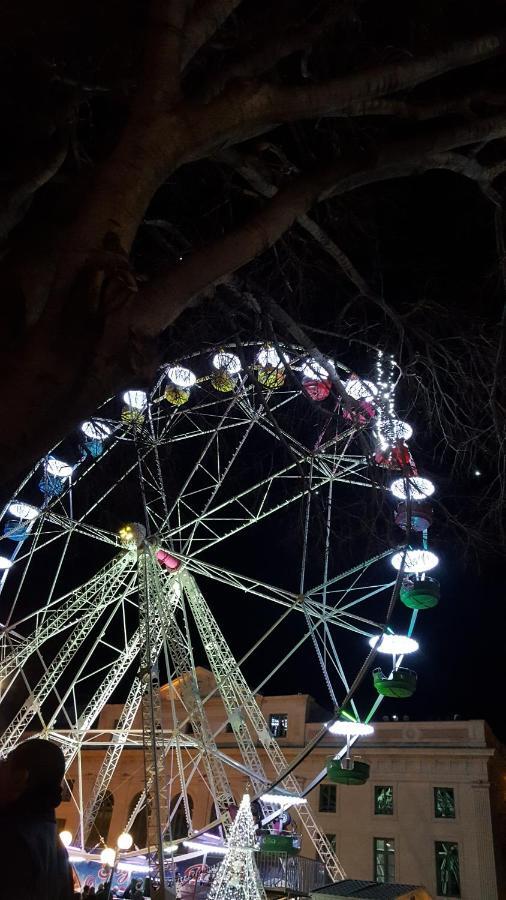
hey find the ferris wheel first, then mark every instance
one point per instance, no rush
(202, 523)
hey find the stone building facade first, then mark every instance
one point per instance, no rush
(433, 811)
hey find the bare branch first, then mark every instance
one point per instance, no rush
(205, 21)
(495, 171)
(264, 187)
(162, 53)
(262, 106)
(161, 302)
(33, 175)
(421, 112)
(256, 59)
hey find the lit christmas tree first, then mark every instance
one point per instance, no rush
(238, 877)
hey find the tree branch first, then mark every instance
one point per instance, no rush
(30, 177)
(162, 53)
(159, 304)
(205, 21)
(421, 112)
(254, 60)
(259, 107)
(266, 189)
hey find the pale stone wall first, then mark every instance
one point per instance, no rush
(413, 757)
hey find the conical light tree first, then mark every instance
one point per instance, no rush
(238, 877)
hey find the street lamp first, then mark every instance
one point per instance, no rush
(125, 841)
(110, 857)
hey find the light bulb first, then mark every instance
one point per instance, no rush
(135, 399)
(360, 390)
(125, 841)
(350, 729)
(97, 431)
(395, 644)
(415, 488)
(268, 357)
(415, 560)
(57, 468)
(24, 511)
(66, 838)
(181, 377)
(108, 857)
(394, 430)
(227, 362)
(5, 563)
(313, 369)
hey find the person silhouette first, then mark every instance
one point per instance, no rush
(30, 790)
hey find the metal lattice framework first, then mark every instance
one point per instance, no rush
(205, 478)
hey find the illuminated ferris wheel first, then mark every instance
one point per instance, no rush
(202, 524)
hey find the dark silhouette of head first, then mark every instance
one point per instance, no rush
(34, 769)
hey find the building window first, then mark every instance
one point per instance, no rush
(100, 827)
(278, 724)
(332, 841)
(384, 860)
(327, 798)
(447, 869)
(66, 790)
(139, 829)
(444, 803)
(178, 826)
(384, 800)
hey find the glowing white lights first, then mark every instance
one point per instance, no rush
(283, 800)
(346, 728)
(395, 644)
(360, 390)
(312, 369)
(181, 377)
(135, 399)
(395, 430)
(108, 857)
(58, 469)
(124, 841)
(97, 431)
(5, 563)
(415, 561)
(24, 511)
(415, 488)
(170, 848)
(66, 838)
(227, 362)
(200, 845)
(268, 357)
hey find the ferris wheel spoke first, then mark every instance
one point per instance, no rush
(243, 710)
(112, 596)
(61, 613)
(179, 646)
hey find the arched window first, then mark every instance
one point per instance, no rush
(178, 827)
(139, 829)
(100, 828)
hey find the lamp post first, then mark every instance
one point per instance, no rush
(110, 857)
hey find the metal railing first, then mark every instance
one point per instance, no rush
(281, 874)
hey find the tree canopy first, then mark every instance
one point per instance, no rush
(177, 172)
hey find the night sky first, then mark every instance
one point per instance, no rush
(427, 245)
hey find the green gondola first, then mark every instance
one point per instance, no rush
(359, 774)
(420, 594)
(400, 684)
(279, 843)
